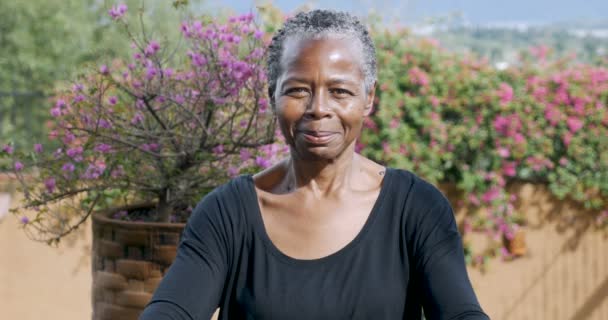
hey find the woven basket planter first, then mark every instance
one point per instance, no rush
(129, 260)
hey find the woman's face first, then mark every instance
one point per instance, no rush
(320, 96)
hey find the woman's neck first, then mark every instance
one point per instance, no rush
(322, 177)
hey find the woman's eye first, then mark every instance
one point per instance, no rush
(296, 92)
(341, 92)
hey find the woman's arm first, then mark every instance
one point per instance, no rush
(438, 258)
(446, 290)
(192, 287)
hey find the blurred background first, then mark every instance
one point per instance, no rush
(559, 270)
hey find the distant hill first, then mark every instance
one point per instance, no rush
(502, 42)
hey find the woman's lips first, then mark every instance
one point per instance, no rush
(317, 137)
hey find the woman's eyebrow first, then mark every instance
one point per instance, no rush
(331, 81)
(295, 79)
(341, 80)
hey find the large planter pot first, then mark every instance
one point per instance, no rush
(128, 260)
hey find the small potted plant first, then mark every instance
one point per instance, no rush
(141, 142)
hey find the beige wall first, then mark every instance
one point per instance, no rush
(564, 275)
(565, 272)
(40, 282)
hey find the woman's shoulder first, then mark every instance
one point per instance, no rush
(418, 191)
(226, 201)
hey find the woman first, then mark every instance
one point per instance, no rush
(326, 233)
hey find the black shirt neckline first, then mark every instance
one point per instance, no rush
(260, 229)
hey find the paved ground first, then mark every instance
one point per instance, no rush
(40, 282)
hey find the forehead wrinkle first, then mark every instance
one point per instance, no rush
(295, 43)
(292, 57)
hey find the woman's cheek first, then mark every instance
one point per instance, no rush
(288, 116)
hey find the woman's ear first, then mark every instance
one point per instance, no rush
(369, 103)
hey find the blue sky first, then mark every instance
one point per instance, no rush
(476, 11)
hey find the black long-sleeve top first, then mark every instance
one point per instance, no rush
(407, 256)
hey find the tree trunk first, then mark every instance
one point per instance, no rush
(163, 209)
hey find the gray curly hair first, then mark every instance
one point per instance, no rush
(317, 24)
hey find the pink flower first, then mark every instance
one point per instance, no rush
(104, 69)
(574, 124)
(579, 106)
(504, 152)
(117, 11)
(79, 98)
(149, 147)
(563, 161)
(418, 76)
(552, 115)
(77, 87)
(140, 104)
(24, 220)
(152, 48)
(18, 166)
(561, 96)
(137, 118)
(95, 170)
(68, 138)
(490, 195)
(218, 149)
(55, 112)
(519, 138)
(233, 171)
(8, 149)
(263, 103)
(359, 146)
(168, 72)
(60, 103)
(104, 124)
(248, 17)
(245, 155)
(73, 152)
(434, 101)
(386, 147)
(50, 184)
(507, 125)
(112, 100)
(258, 34)
(567, 138)
(103, 148)
(501, 125)
(68, 167)
(38, 148)
(474, 200)
(505, 93)
(151, 72)
(185, 28)
(261, 162)
(509, 168)
(540, 93)
(538, 163)
(369, 123)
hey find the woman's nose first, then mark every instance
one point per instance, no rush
(318, 106)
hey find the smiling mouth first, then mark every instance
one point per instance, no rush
(317, 137)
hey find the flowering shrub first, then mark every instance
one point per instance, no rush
(457, 119)
(145, 129)
(151, 129)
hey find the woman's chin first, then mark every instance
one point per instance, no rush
(318, 152)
